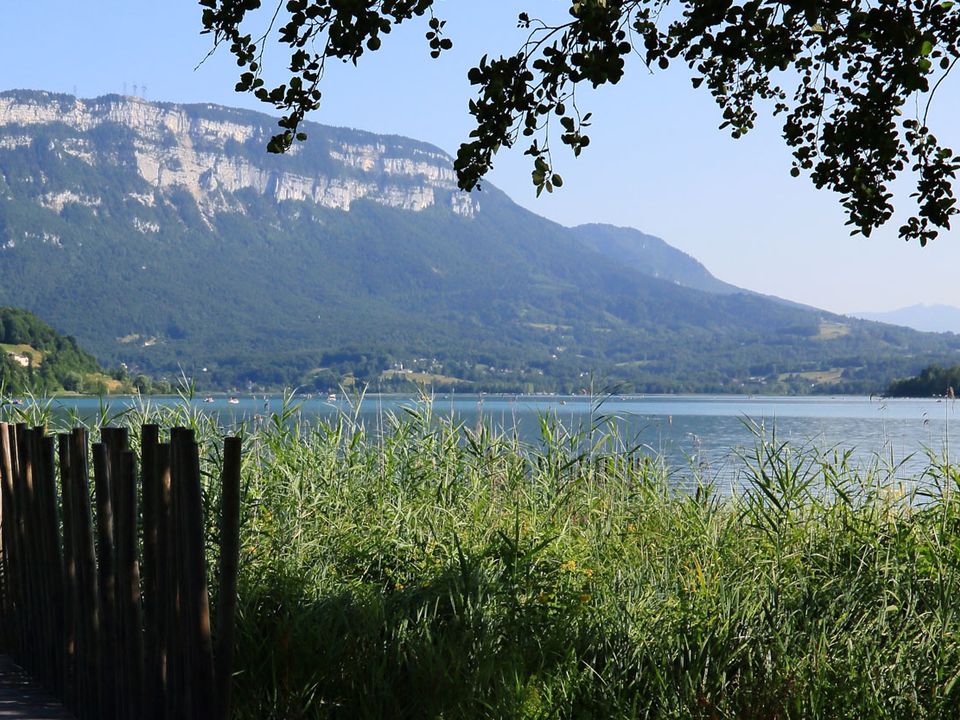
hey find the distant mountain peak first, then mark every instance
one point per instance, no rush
(652, 256)
(936, 317)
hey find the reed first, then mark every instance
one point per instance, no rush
(425, 569)
(434, 570)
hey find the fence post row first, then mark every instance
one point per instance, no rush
(118, 627)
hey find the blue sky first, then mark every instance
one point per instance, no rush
(657, 161)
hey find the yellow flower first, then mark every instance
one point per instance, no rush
(588, 572)
(585, 598)
(398, 586)
(569, 566)
(631, 528)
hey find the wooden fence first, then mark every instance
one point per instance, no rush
(113, 615)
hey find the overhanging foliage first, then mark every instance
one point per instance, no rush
(853, 80)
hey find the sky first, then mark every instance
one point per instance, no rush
(657, 161)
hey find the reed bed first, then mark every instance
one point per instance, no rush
(425, 569)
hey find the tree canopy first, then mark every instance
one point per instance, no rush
(933, 381)
(853, 80)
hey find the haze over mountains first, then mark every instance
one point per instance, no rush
(929, 318)
(164, 236)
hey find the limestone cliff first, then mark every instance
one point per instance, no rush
(214, 152)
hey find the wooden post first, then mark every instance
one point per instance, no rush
(7, 526)
(174, 705)
(71, 592)
(47, 672)
(27, 609)
(6, 603)
(182, 645)
(229, 567)
(152, 612)
(130, 622)
(115, 440)
(5, 607)
(53, 559)
(107, 584)
(36, 654)
(13, 560)
(195, 604)
(88, 628)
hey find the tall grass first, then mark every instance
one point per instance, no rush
(428, 569)
(441, 571)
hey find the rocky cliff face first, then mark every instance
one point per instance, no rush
(214, 153)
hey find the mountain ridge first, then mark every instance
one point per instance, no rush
(195, 165)
(209, 254)
(651, 255)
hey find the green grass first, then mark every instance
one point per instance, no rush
(832, 330)
(438, 571)
(422, 378)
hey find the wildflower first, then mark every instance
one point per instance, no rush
(585, 597)
(588, 572)
(569, 566)
(631, 528)
(398, 586)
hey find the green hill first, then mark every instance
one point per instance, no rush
(35, 358)
(932, 381)
(162, 236)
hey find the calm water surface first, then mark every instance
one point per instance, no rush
(706, 433)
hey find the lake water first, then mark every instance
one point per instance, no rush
(708, 433)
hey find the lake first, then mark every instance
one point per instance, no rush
(709, 433)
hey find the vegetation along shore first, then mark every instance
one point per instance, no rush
(436, 570)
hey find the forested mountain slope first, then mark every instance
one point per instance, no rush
(163, 236)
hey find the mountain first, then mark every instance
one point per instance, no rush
(165, 237)
(652, 256)
(929, 318)
(35, 358)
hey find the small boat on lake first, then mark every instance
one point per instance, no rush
(234, 401)
(208, 399)
(332, 397)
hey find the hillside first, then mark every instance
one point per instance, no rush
(35, 358)
(163, 236)
(933, 381)
(650, 255)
